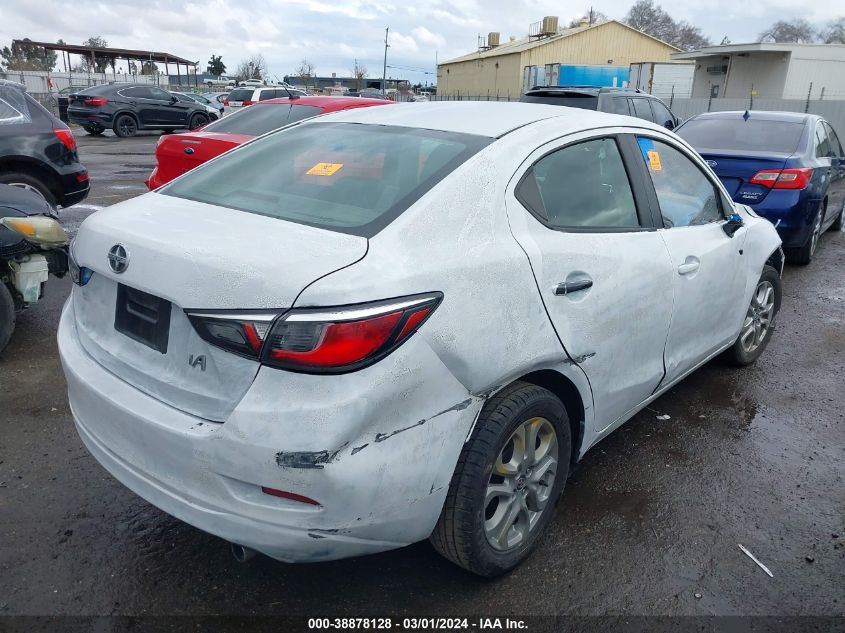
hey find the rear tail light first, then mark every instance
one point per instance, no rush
(792, 178)
(95, 101)
(83, 177)
(225, 102)
(66, 137)
(246, 103)
(321, 341)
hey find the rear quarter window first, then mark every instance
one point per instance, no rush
(14, 109)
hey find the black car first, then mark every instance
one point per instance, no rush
(627, 101)
(127, 108)
(37, 150)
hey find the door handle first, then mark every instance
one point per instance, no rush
(689, 266)
(568, 287)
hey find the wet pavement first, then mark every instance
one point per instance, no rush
(649, 525)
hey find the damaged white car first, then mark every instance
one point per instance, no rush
(392, 324)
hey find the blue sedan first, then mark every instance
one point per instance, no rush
(788, 167)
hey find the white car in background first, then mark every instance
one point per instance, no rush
(247, 95)
(391, 324)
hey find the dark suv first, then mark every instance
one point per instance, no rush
(627, 101)
(127, 108)
(37, 150)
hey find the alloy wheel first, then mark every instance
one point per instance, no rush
(521, 483)
(817, 231)
(127, 126)
(758, 320)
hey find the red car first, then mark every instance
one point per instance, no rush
(179, 153)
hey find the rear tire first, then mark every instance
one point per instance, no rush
(7, 316)
(473, 531)
(840, 221)
(31, 183)
(759, 324)
(803, 255)
(125, 126)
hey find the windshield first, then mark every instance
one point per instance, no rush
(345, 177)
(753, 135)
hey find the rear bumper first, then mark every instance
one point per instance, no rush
(792, 213)
(74, 190)
(89, 117)
(375, 494)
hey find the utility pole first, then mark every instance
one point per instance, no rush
(384, 72)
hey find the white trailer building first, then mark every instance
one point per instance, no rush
(776, 71)
(663, 80)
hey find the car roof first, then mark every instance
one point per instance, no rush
(792, 117)
(483, 118)
(325, 101)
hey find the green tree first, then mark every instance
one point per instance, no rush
(23, 56)
(216, 66)
(101, 62)
(651, 19)
(149, 68)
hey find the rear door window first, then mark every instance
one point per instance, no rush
(642, 109)
(581, 186)
(267, 94)
(159, 94)
(835, 145)
(136, 92)
(344, 177)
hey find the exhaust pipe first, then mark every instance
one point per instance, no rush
(243, 554)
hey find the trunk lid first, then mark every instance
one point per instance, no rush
(179, 153)
(183, 254)
(735, 169)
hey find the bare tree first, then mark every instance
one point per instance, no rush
(254, 67)
(834, 33)
(305, 71)
(651, 19)
(798, 30)
(359, 72)
(589, 18)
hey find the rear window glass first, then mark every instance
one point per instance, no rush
(571, 100)
(241, 94)
(299, 112)
(253, 121)
(780, 137)
(345, 177)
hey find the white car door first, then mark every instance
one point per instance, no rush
(709, 272)
(601, 267)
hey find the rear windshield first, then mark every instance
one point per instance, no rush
(257, 120)
(781, 137)
(344, 177)
(569, 99)
(241, 94)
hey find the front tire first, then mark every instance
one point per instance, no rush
(7, 316)
(759, 323)
(93, 130)
(198, 120)
(507, 481)
(125, 126)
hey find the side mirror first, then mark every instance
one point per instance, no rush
(669, 125)
(733, 224)
(173, 98)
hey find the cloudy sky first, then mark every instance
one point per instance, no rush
(333, 33)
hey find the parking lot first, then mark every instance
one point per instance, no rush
(650, 524)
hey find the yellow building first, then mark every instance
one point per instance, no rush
(601, 54)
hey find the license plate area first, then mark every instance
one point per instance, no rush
(142, 317)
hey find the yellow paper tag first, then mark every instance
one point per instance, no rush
(324, 169)
(654, 160)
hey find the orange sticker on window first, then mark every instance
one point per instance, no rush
(654, 160)
(324, 169)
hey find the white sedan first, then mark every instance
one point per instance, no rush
(391, 324)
